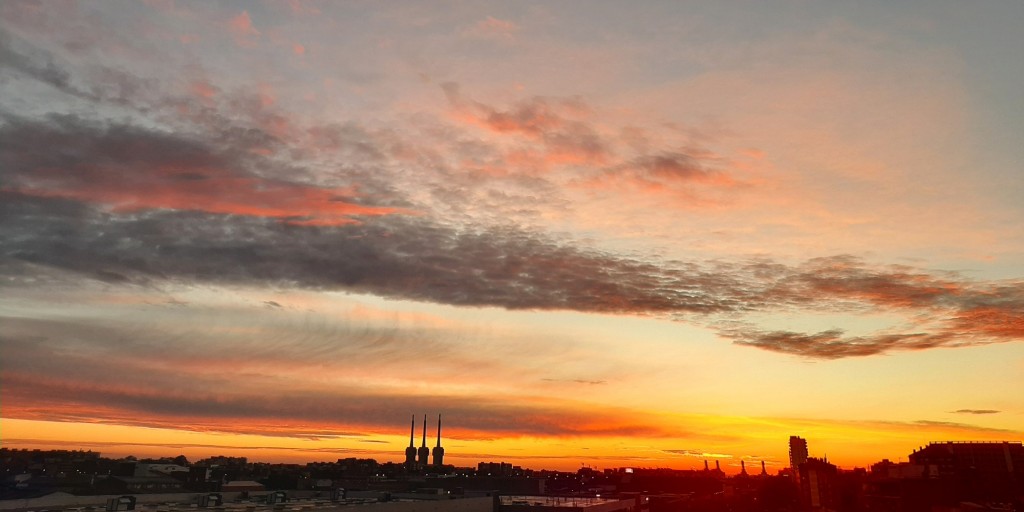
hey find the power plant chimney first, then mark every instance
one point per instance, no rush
(438, 450)
(424, 452)
(410, 452)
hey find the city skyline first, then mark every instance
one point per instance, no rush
(592, 234)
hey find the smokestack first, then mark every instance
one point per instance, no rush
(424, 430)
(438, 450)
(410, 452)
(424, 452)
(438, 430)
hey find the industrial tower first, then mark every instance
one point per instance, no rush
(410, 452)
(424, 452)
(438, 450)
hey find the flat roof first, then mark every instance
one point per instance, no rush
(554, 501)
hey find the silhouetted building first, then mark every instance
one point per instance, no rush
(424, 452)
(982, 471)
(818, 484)
(494, 469)
(410, 452)
(438, 450)
(797, 452)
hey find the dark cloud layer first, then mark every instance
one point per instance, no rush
(128, 168)
(410, 258)
(415, 258)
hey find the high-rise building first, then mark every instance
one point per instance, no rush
(438, 450)
(797, 452)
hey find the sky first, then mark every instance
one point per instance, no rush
(584, 233)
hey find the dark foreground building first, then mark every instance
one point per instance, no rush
(948, 474)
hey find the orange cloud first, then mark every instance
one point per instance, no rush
(214, 191)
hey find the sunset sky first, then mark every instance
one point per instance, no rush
(582, 232)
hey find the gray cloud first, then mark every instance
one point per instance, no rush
(976, 411)
(832, 344)
(414, 258)
(961, 426)
(34, 63)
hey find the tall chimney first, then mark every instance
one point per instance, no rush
(438, 450)
(424, 452)
(410, 452)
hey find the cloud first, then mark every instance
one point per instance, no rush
(568, 142)
(832, 344)
(415, 258)
(960, 426)
(131, 169)
(410, 258)
(241, 27)
(40, 65)
(976, 411)
(492, 28)
(322, 414)
(700, 454)
(577, 381)
(230, 190)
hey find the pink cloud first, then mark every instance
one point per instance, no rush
(242, 29)
(204, 90)
(492, 28)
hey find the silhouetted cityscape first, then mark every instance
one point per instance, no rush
(939, 476)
